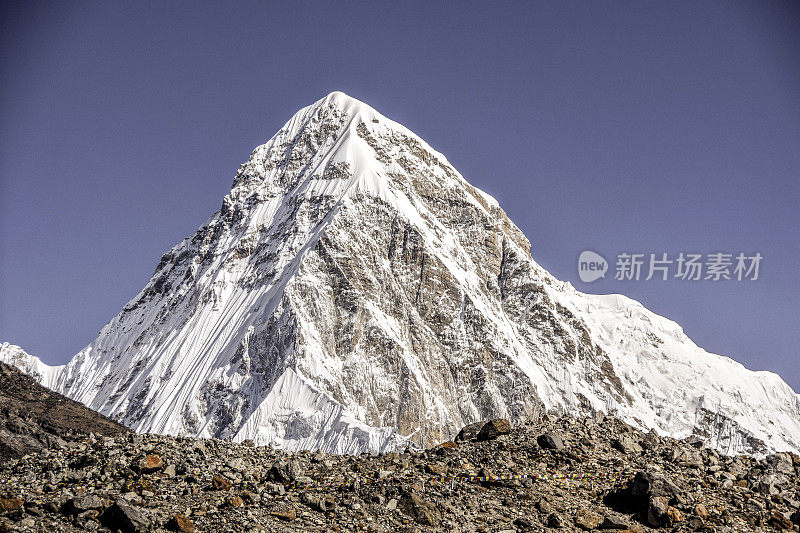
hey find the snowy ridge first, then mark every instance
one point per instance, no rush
(16, 356)
(354, 293)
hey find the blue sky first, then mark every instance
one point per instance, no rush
(607, 126)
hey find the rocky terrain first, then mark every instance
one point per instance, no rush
(33, 417)
(548, 474)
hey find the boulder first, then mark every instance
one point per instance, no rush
(649, 485)
(284, 513)
(220, 483)
(657, 512)
(614, 522)
(779, 463)
(493, 429)
(436, 469)
(770, 484)
(151, 463)
(420, 510)
(10, 506)
(626, 444)
(234, 501)
(779, 521)
(555, 520)
(469, 432)
(550, 441)
(285, 471)
(81, 504)
(124, 516)
(181, 523)
(587, 520)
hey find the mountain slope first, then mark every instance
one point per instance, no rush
(354, 293)
(33, 417)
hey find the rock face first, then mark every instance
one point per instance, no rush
(33, 417)
(354, 293)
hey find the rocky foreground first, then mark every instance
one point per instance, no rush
(549, 474)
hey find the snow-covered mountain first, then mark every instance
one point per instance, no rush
(354, 293)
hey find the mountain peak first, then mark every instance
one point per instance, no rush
(355, 293)
(345, 102)
(323, 129)
(339, 146)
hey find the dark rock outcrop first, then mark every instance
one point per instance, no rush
(33, 417)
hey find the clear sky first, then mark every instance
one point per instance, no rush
(652, 127)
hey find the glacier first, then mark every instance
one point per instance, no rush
(354, 293)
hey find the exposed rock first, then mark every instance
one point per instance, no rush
(493, 429)
(284, 513)
(780, 463)
(126, 517)
(550, 441)
(181, 523)
(151, 463)
(779, 521)
(587, 520)
(34, 418)
(10, 506)
(555, 520)
(422, 511)
(469, 432)
(625, 444)
(220, 483)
